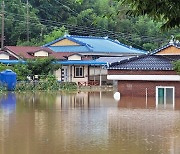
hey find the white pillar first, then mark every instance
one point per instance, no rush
(94, 74)
(100, 77)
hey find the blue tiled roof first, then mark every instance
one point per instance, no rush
(69, 48)
(146, 62)
(95, 44)
(81, 62)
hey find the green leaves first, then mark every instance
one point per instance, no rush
(167, 11)
(42, 66)
(176, 66)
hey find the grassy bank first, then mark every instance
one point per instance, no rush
(45, 86)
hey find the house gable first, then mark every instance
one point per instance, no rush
(75, 57)
(171, 50)
(65, 42)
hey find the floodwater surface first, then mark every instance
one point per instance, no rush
(86, 123)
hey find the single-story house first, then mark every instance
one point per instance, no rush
(92, 48)
(78, 57)
(75, 67)
(150, 75)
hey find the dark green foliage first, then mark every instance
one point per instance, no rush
(167, 11)
(56, 33)
(68, 86)
(42, 66)
(49, 82)
(84, 17)
(22, 71)
(176, 66)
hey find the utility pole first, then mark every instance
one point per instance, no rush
(2, 25)
(27, 20)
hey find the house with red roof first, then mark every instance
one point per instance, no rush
(150, 76)
(76, 63)
(27, 52)
(77, 55)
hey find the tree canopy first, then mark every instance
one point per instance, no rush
(167, 11)
(51, 19)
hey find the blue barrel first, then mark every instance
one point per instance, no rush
(8, 79)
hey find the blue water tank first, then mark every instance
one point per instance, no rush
(8, 79)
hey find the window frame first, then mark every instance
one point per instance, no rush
(78, 67)
(165, 87)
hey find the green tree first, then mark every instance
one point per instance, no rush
(176, 66)
(56, 33)
(15, 21)
(167, 11)
(42, 66)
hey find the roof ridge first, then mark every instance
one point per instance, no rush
(89, 36)
(171, 43)
(128, 60)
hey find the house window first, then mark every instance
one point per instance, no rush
(165, 96)
(79, 72)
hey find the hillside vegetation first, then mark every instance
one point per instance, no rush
(46, 20)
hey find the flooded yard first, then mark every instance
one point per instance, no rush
(86, 123)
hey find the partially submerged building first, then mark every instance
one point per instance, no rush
(150, 75)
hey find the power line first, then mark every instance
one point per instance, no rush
(27, 20)
(2, 25)
(104, 31)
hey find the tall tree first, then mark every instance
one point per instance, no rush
(15, 21)
(167, 11)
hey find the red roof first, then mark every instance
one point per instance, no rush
(25, 52)
(61, 55)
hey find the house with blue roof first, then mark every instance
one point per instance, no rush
(91, 45)
(151, 76)
(90, 71)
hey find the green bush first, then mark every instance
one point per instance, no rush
(46, 83)
(68, 86)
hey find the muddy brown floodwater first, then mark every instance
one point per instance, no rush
(86, 123)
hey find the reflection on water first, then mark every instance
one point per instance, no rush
(86, 122)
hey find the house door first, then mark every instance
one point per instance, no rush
(64, 74)
(165, 97)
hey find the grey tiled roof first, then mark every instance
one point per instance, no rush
(146, 62)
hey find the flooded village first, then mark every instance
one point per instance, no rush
(89, 77)
(88, 119)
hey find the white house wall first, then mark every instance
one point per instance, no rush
(41, 54)
(85, 79)
(4, 56)
(57, 73)
(70, 74)
(96, 71)
(74, 57)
